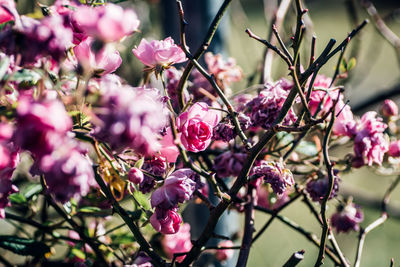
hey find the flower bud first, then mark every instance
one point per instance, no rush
(394, 149)
(389, 108)
(135, 175)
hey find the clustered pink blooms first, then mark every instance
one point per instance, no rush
(370, 144)
(177, 243)
(108, 23)
(196, 126)
(264, 109)
(319, 95)
(347, 218)
(275, 174)
(33, 39)
(177, 188)
(156, 53)
(130, 117)
(224, 254)
(104, 61)
(318, 188)
(229, 163)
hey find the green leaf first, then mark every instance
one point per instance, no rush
(4, 64)
(17, 198)
(351, 64)
(343, 66)
(123, 239)
(139, 163)
(284, 138)
(23, 246)
(78, 253)
(26, 78)
(307, 148)
(31, 190)
(89, 209)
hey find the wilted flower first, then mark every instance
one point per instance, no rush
(177, 188)
(275, 174)
(229, 163)
(225, 130)
(177, 243)
(224, 254)
(108, 22)
(317, 188)
(196, 126)
(389, 108)
(347, 218)
(166, 221)
(101, 62)
(264, 109)
(159, 53)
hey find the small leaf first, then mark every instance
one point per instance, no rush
(352, 63)
(17, 198)
(139, 163)
(343, 66)
(31, 190)
(4, 65)
(89, 209)
(25, 77)
(307, 148)
(23, 246)
(78, 253)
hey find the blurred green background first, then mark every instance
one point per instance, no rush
(377, 70)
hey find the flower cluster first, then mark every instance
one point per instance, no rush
(347, 218)
(275, 174)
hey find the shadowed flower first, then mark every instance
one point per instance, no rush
(394, 149)
(347, 218)
(389, 108)
(229, 163)
(166, 221)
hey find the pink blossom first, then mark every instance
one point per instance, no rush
(196, 126)
(159, 53)
(394, 149)
(168, 148)
(108, 22)
(389, 108)
(177, 243)
(370, 143)
(102, 62)
(224, 71)
(166, 221)
(5, 7)
(344, 124)
(41, 125)
(224, 254)
(177, 188)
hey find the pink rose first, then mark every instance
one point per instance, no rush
(196, 126)
(105, 61)
(159, 53)
(177, 243)
(108, 22)
(394, 149)
(224, 254)
(166, 221)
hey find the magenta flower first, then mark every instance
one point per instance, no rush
(68, 173)
(108, 23)
(102, 62)
(275, 174)
(159, 53)
(177, 188)
(394, 149)
(166, 221)
(370, 143)
(41, 125)
(347, 218)
(5, 7)
(135, 175)
(196, 126)
(177, 243)
(168, 147)
(389, 108)
(224, 254)
(130, 117)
